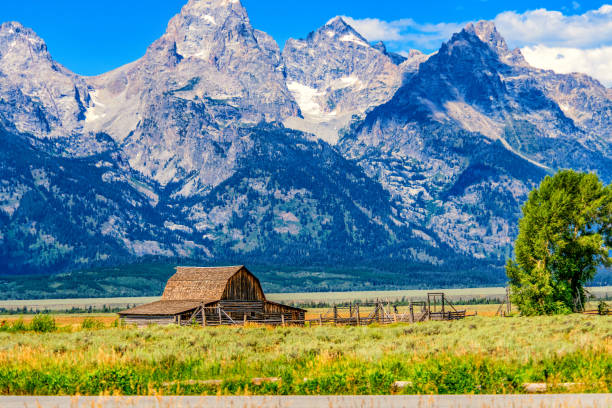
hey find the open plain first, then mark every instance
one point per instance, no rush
(478, 355)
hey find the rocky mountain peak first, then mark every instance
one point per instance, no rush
(336, 75)
(412, 61)
(51, 99)
(337, 29)
(380, 46)
(337, 23)
(208, 76)
(213, 4)
(397, 59)
(202, 24)
(488, 34)
(21, 44)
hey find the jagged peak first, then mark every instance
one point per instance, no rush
(380, 46)
(15, 28)
(195, 28)
(338, 29)
(396, 58)
(339, 25)
(208, 13)
(201, 8)
(337, 21)
(487, 33)
(12, 26)
(15, 38)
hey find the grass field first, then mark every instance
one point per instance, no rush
(477, 355)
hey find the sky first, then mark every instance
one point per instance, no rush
(94, 37)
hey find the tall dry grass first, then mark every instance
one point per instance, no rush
(476, 355)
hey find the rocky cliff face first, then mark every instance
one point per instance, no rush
(335, 76)
(463, 141)
(177, 111)
(182, 154)
(37, 95)
(177, 155)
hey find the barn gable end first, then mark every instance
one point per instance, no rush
(243, 286)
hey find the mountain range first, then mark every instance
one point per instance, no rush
(216, 145)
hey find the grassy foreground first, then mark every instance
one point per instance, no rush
(477, 355)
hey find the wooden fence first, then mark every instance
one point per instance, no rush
(437, 307)
(598, 312)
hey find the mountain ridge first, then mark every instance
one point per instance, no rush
(218, 145)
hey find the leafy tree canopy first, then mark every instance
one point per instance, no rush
(564, 236)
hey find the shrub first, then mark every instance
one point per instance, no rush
(92, 324)
(43, 324)
(19, 325)
(603, 308)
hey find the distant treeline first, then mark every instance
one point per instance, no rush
(73, 310)
(149, 279)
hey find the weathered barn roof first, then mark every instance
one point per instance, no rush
(163, 308)
(203, 284)
(191, 287)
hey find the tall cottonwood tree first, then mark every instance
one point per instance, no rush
(564, 236)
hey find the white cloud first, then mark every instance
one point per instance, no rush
(549, 39)
(594, 62)
(552, 40)
(406, 31)
(554, 29)
(374, 29)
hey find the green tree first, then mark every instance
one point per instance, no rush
(564, 236)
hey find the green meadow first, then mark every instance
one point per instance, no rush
(479, 355)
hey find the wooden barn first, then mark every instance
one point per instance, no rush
(213, 296)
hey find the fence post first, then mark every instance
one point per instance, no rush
(509, 302)
(335, 314)
(320, 319)
(443, 301)
(411, 312)
(358, 317)
(283, 319)
(203, 317)
(245, 319)
(220, 317)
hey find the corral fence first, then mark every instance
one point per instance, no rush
(436, 307)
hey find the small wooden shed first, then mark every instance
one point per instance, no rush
(213, 296)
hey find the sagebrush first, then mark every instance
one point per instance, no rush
(477, 355)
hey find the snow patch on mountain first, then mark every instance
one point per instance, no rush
(305, 97)
(340, 81)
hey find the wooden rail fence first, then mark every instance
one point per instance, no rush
(437, 307)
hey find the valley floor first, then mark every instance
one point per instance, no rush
(479, 355)
(492, 294)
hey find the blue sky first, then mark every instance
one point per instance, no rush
(93, 37)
